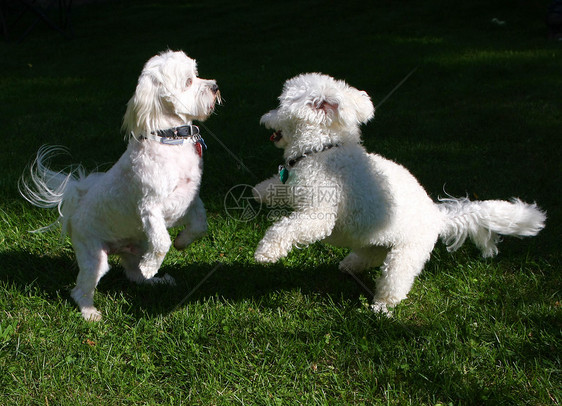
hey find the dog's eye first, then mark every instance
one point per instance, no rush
(189, 82)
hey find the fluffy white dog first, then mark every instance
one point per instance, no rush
(154, 185)
(347, 197)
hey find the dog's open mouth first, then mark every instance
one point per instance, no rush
(276, 136)
(216, 100)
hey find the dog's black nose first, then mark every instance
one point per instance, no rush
(215, 88)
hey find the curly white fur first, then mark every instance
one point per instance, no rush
(152, 187)
(377, 208)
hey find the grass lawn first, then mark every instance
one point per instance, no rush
(482, 115)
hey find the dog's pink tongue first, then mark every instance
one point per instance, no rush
(276, 136)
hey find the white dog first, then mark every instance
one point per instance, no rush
(347, 197)
(154, 185)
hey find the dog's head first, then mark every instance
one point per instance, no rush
(318, 104)
(169, 94)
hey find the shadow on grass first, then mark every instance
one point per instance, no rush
(234, 283)
(54, 277)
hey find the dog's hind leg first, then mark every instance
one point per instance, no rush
(195, 225)
(399, 271)
(92, 262)
(362, 259)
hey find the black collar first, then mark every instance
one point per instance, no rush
(292, 162)
(284, 169)
(177, 135)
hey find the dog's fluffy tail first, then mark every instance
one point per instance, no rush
(485, 221)
(46, 188)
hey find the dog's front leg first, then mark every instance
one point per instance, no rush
(270, 190)
(300, 228)
(158, 242)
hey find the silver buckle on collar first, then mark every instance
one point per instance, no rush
(171, 141)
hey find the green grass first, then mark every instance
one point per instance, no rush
(482, 115)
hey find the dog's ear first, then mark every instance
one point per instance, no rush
(358, 108)
(144, 107)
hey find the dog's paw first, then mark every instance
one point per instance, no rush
(269, 253)
(270, 250)
(148, 270)
(265, 257)
(380, 307)
(90, 313)
(150, 264)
